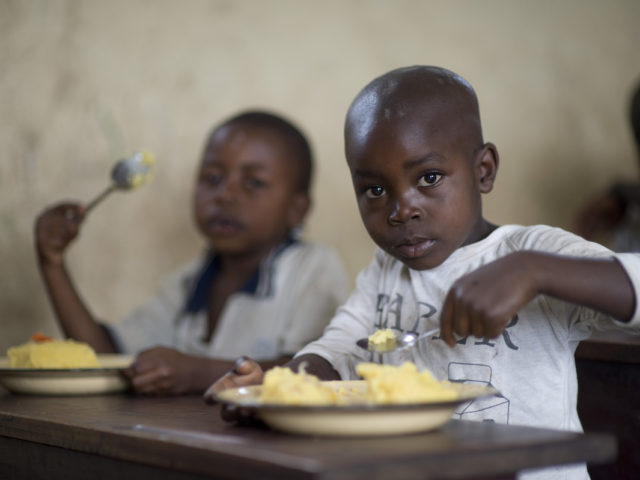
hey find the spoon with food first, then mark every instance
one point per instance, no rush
(127, 174)
(386, 341)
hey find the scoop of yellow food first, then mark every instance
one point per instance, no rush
(384, 384)
(382, 338)
(283, 386)
(140, 168)
(47, 353)
(403, 384)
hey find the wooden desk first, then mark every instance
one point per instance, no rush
(609, 402)
(120, 436)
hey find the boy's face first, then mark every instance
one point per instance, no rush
(418, 184)
(245, 201)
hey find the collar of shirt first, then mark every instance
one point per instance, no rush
(259, 284)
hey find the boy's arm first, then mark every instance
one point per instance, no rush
(167, 371)
(483, 302)
(55, 229)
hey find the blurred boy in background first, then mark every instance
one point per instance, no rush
(259, 290)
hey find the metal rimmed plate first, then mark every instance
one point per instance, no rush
(356, 418)
(68, 381)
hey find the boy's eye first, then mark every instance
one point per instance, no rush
(211, 178)
(374, 192)
(429, 179)
(254, 183)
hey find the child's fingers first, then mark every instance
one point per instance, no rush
(228, 380)
(461, 321)
(248, 370)
(146, 374)
(140, 365)
(221, 384)
(446, 322)
(458, 318)
(245, 372)
(75, 213)
(69, 213)
(158, 381)
(144, 383)
(498, 324)
(478, 329)
(72, 216)
(243, 366)
(57, 227)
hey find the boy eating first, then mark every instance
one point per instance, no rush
(512, 302)
(257, 290)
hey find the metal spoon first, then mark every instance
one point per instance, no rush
(405, 340)
(127, 174)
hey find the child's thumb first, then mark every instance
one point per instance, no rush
(245, 366)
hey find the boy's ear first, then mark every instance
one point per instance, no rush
(487, 160)
(298, 208)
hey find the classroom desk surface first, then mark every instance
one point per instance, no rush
(113, 436)
(609, 402)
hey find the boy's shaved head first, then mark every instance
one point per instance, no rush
(294, 138)
(429, 99)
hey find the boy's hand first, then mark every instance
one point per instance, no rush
(246, 372)
(55, 229)
(161, 371)
(483, 302)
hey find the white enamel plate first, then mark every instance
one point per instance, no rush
(67, 381)
(356, 418)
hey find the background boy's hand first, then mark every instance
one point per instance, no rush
(483, 302)
(161, 371)
(55, 229)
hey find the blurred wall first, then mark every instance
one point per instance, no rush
(84, 83)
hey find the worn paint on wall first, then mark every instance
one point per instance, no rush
(86, 82)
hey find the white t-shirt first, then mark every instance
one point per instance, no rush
(531, 364)
(297, 292)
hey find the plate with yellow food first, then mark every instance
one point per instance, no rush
(389, 400)
(44, 366)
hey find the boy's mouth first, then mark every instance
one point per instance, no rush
(225, 225)
(413, 248)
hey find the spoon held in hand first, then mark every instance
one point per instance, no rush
(401, 341)
(127, 174)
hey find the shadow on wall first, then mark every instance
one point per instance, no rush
(555, 187)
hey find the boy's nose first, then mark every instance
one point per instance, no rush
(226, 191)
(405, 209)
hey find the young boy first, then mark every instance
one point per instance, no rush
(512, 302)
(258, 289)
